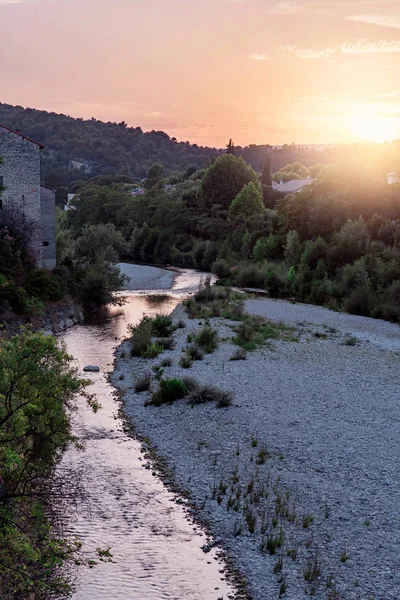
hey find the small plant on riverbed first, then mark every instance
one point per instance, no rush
(216, 302)
(239, 354)
(141, 336)
(186, 361)
(143, 383)
(152, 351)
(162, 326)
(200, 394)
(207, 339)
(166, 362)
(195, 352)
(169, 390)
(254, 332)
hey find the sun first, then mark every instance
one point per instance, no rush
(367, 126)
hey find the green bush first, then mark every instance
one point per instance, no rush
(141, 336)
(250, 276)
(207, 339)
(42, 284)
(162, 326)
(359, 302)
(169, 391)
(186, 361)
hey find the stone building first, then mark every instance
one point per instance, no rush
(20, 177)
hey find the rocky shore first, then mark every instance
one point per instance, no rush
(298, 478)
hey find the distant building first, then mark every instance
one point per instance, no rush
(393, 178)
(292, 187)
(20, 177)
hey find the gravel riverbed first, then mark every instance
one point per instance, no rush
(304, 465)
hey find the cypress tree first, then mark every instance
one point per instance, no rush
(266, 176)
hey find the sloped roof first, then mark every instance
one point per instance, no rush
(22, 135)
(293, 186)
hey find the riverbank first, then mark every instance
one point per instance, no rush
(298, 477)
(56, 318)
(143, 277)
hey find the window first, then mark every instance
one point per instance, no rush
(46, 244)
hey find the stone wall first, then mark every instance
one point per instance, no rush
(20, 171)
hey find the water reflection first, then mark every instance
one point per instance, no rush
(156, 549)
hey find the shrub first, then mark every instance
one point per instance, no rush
(195, 352)
(169, 391)
(221, 268)
(143, 383)
(167, 343)
(140, 336)
(152, 351)
(200, 394)
(239, 354)
(42, 284)
(254, 332)
(207, 339)
(186, 361)
(167, 362)
(359, 302)
(162, 326)
(250, 276)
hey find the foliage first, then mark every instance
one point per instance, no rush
(169, 390)
(224, 179)
(207, 339)
(38, 388)
(248, 202)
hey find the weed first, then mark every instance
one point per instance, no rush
(251, 520)
(312, 572)
(350, 341)
(169, 391)
(271, 543)
(167, 362)
(199, 394)
(254, 332)
(278, 565)
(207, 339)
(367, 522)
(283, 587)
(262, 456)
(162, 326)
(195, 352)
(344, 556)
(307, 520)
(121, 377)
(239, 354)
(181, 324)
(143, 383)
(166, 343)
(292, 552)
(140, 336)
(152, 350)
(254, 442)
(185, 361)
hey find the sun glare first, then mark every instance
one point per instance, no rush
(370, 127)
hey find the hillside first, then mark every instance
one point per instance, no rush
(81, 149)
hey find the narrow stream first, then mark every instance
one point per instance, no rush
(156, 547)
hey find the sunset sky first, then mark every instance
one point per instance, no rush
(259, 71)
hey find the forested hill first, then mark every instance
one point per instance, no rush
(81, 149)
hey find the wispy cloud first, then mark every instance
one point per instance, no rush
(2, 2)
(365, 47)
(285, 8)
(259, 57)
(308, 52)
(374, 19)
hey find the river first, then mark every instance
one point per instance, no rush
(155, 545)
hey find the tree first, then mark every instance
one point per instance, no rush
(38, 391)
(224, 179)
(230, 148)
(154, 176)
(266, 174)
(247, 203)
